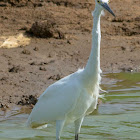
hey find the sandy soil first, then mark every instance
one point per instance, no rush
(60, 43)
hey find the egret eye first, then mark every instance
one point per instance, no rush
(98, 1)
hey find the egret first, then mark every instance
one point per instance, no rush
(76, 95)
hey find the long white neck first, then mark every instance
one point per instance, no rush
(92, 70)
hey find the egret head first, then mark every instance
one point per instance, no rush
(103, 4)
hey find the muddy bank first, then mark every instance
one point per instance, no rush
(26, 71)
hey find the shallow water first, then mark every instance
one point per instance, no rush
(117, 118)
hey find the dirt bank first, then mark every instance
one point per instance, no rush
(26, 71)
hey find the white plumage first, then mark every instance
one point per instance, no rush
(71, 98)
(62, 101)
(67, 99)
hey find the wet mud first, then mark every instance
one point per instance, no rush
(60, 43)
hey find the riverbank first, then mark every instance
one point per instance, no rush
(26, 71)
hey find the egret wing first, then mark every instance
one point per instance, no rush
(59, 99)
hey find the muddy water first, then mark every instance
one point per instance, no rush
(117, 118)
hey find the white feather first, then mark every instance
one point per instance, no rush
(71, 98)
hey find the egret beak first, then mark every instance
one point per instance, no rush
(106, 6)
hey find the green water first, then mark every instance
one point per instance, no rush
(117, 118)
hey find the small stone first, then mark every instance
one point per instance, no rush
(123, 48)
(36, 49)
(42, 68)
(26, 52)
(32, 63)
(15, 69)
(68, 42)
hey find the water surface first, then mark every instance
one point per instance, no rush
(117, 118)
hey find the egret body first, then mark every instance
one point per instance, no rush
(75, 96)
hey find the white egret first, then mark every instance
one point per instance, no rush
(73, 97)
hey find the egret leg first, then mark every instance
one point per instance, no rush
(78, 124)
(59, 127)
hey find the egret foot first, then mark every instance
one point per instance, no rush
(76, 137)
